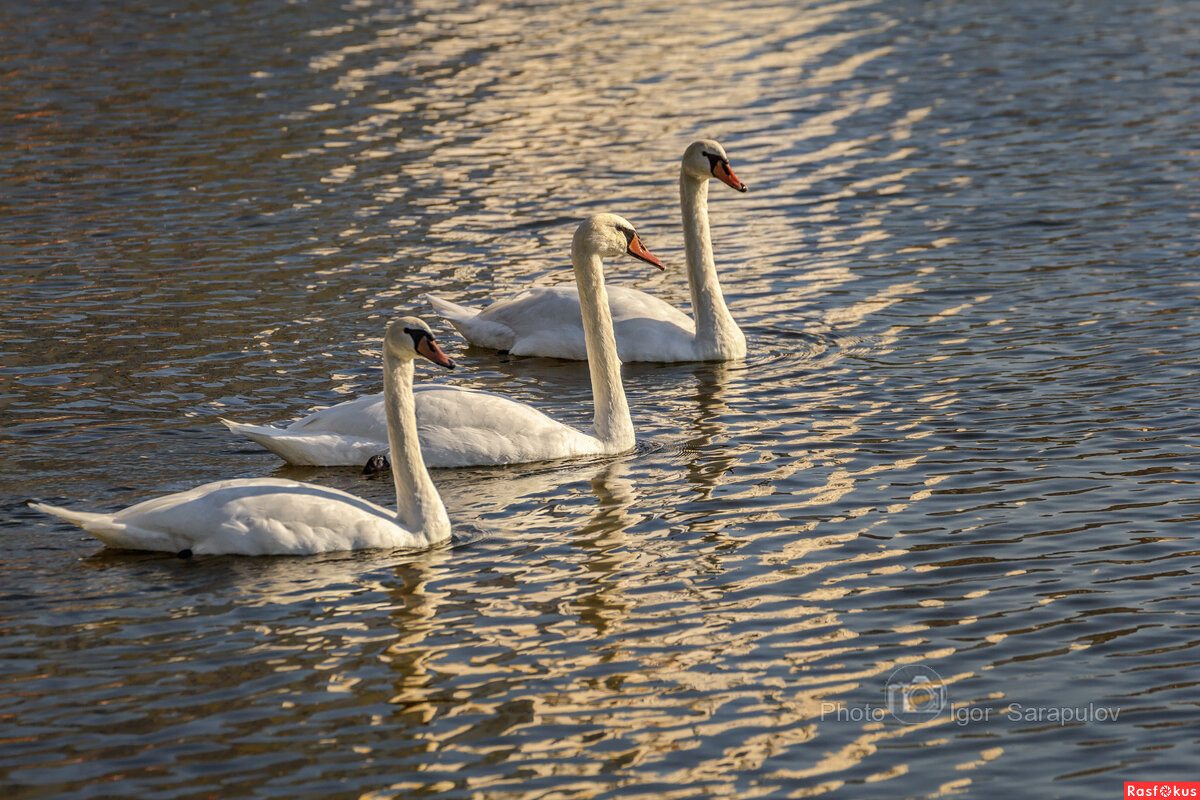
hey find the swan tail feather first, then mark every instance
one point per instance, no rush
(278, 441)
(111, 532)
(452, 311)
(468, 322)
(310, 449)
(87, 520)
(103, 526)
(246, 429)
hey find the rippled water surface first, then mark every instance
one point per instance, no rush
(964, 438)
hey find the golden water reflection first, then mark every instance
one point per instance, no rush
(950, 443)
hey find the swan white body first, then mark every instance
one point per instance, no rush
(463, 427)
(547, 321)
(274, 516)
(250, 516)
(457, 428)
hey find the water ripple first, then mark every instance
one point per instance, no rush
(964, 436)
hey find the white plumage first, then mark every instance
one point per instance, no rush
(275, 516)
(249, 516)
(457, 428)
(464, 427)
(547, 321)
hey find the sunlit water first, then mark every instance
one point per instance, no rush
(964, 438)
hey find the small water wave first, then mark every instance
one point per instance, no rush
(963, 438)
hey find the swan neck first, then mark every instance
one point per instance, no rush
(612, 423)
(716, 331)
(418, 504)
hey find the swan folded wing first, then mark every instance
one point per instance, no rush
(465, 427)
(363, 417)
(553, 306)
(348, 433)
(548, 323)
(567, 344)
(323, 449)
(457, 427)
(318, 447)
(545, 321)
(632, 304)
(262, 516)
(649, 329)
(646, 339)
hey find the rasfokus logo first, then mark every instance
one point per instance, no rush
(1162, 790)
(914, 693)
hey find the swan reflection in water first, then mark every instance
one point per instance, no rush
(711, 460)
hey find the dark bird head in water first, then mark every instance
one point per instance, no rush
(376, 464)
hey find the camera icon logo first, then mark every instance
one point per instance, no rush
(914, 693)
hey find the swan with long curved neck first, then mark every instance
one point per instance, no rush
(547, 321)
(275, 516)
(463, 427)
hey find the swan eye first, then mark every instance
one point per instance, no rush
(713, 161)
(417, 335)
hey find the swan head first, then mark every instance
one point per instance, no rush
(608, 235)
(409, 337)
(706, 159)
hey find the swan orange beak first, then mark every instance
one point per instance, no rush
(428, 348)
(724, 174)
(639, 251)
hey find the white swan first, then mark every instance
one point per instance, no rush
(274, 516)
(464, 428)
(546, 321)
